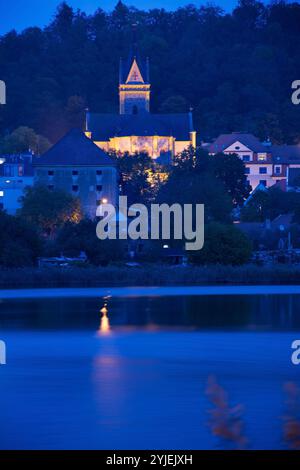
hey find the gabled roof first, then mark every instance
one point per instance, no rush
(285, 153)
(106, 126)
(226, 140)
(74, 149)
(126, 66)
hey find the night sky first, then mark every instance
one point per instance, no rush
(19, 14)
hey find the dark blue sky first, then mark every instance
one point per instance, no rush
(19, 14)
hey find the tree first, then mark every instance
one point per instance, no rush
(271, 203)
(24, 139)
(174, 104)
(137, 173)
(49, 210)
(231, 170)
(224, 244)
(20, 244)
(75, 238)
(197, 188)
(75, 111)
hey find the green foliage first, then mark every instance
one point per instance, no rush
(235, 69)
(224, 244)
(270, 204)
(174, 104)
(75, 238)
(139, 177)
(20, 244)
(231, 170)
(218, 182)
(22, 140)
(49, 210)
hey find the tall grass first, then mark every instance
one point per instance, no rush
(146, 275)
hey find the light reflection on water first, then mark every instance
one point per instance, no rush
(140, 381)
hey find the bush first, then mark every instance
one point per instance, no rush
(20, 244)
(223, 244)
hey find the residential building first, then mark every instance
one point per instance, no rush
(76, 165)
(265, 164)
(16, 172)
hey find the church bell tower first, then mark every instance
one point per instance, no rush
(134, 82)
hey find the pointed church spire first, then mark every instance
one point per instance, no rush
(134, 82)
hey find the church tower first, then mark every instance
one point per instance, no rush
(134, 82)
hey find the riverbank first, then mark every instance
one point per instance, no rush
(149, 275)
(138, 292)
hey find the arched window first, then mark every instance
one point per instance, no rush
(135, 109)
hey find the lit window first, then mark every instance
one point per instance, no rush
(261, 157)
(262, 170)
(1, 193)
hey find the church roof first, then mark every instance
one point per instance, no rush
(74, 149)
(105, 126)
(125, 67)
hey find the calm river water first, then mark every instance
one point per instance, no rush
(133, 372)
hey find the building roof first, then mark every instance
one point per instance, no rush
(74, 149)
(285, 153)
(125, 67)
(105, 126)
(226, 140)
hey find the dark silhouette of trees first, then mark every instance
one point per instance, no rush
(235, 69)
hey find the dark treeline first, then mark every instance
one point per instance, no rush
(235, 69)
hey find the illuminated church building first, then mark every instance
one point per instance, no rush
(135, 128)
